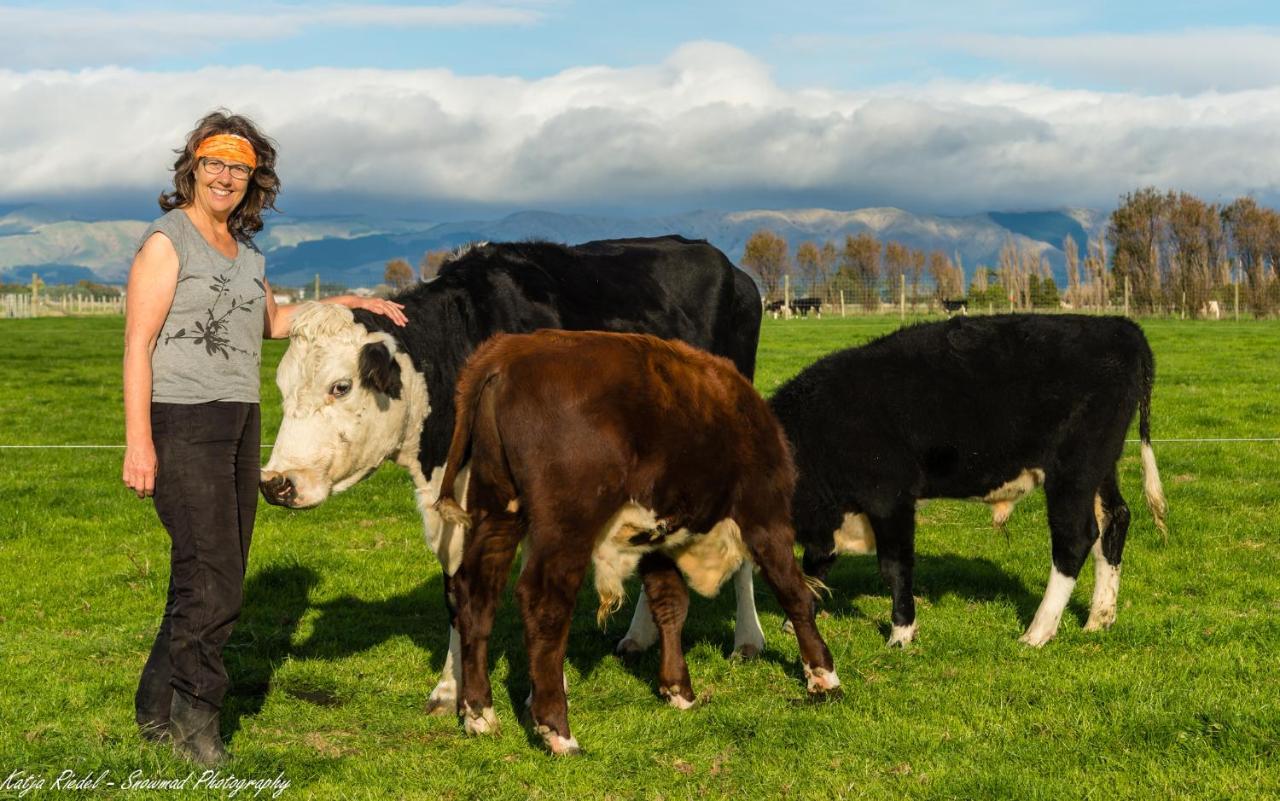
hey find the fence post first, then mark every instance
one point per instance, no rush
(1237, 286)
(902, 297)
(317, 297)
(786, 297)
(1184, 304)
(842, 303)
(1126, 296)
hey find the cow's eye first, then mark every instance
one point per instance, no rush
(340, 388)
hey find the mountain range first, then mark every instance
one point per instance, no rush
(353, 250)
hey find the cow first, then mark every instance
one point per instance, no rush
(622, 452)
(358, 391)
(802, 307)
(983, 408)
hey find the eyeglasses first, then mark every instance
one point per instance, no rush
(240, 172)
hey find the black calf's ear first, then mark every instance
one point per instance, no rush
(378, 370)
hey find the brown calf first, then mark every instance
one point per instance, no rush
(624, 450)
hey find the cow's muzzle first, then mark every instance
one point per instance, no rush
(277, 489)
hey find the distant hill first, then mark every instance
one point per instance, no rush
(353, 250)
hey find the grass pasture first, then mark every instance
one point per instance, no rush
(342, 635)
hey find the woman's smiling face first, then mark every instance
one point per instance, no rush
(218, 189)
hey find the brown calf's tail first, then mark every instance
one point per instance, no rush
(467, 401)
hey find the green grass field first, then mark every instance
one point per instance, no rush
(342, 636)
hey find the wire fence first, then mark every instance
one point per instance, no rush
(24, 306)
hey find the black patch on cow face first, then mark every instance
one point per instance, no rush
(379, 371)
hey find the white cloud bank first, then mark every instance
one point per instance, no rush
(708, 122)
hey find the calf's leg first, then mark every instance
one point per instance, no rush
(477, 588)
(748, 636)
(771, 550)
(896, 554)
(1113, 521)
(546, 592)
(669, 600)
(1073, 529)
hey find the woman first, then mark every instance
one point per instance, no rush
(198, 307)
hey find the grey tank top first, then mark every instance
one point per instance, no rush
(210, 346)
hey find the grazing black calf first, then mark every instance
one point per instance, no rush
(982, 408)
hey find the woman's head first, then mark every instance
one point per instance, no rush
(212, 161)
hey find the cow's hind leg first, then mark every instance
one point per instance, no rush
(546, 593)
(642, 633)
(1073, 529)
(1112, 514)
(669, 600)
(477, 587)
(816, 566)
(748, 635)
(771, 551)
(896, 553)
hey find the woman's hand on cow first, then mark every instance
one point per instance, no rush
(387, 308)
(139, 471)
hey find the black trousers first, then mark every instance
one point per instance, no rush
(206, 497)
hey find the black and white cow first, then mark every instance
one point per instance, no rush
(984, 408)
(357, 391)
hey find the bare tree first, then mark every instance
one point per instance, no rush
(1073, 271)
(809, 269)
(398, 274)
(1251, 229)
(766, 255)
(860, 266)
(916, 273)
(432, 261)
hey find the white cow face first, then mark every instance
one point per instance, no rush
(346, 409)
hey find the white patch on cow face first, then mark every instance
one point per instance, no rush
(1045, 624)
(855, 535)
(335, 431)
(706, 560)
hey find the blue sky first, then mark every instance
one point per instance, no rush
(655, 106)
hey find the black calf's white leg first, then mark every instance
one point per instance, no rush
(748, 636)
(1113, 521)
(896, 552)
(1073, 529)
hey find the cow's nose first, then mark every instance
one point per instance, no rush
(278, 489)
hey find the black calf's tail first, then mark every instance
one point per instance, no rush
(1151, 486)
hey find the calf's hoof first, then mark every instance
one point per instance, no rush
(483, 721)
(1035, 637)
(557, 745)
(747, 651)
(788, 628)
(1100, 619)
(628, 648)
(902, 636)
(821, 681)
(677, 697)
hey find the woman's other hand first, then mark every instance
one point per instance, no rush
(139, 471)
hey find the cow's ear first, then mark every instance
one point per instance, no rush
(379, 370)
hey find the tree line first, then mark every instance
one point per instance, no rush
(1162, 252)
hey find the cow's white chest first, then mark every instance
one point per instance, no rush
(705, 559)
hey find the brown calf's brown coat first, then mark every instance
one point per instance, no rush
(629, 450)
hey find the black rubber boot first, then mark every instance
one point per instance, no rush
(194, 727)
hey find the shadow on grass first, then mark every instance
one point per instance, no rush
(936, 577)
(275, 600)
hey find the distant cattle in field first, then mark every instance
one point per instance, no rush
(983, 408)
(358, 391)
(620, 451)
(800, 306)
(951, 307)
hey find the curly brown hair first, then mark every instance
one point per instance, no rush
(264, 184)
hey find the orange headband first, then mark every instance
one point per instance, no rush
(229, 147)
